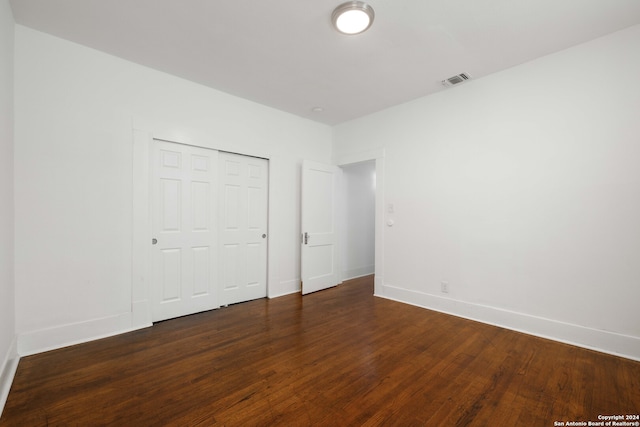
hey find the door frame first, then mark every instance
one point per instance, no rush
(144, 134)
(378, 155)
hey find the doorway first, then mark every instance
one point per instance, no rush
(324, 212)
(357, 239)
(378, 157)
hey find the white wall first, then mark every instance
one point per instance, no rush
(7, 300)
(73, 173)
(522, 190)
(358, 219)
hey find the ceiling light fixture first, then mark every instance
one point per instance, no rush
(353, 17)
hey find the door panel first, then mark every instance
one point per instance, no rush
(319, 269)
(200, 205)
(171, 274)
(230, 254)
(171, 199)
(201, 270)
(232, 206)
(243, 227)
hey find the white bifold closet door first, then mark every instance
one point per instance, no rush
(209, 229)
(184, 258)
(243, 227)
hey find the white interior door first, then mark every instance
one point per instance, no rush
(243, 227)
(184, 230)
(319, 269)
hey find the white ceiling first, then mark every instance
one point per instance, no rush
(285, 54)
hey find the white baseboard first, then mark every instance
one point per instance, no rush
(354, 273)
(8, 372)
(603, 341)
(75, 333)
(285, 288)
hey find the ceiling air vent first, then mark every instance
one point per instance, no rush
(457, 79)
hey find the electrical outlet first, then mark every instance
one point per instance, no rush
(444, 287)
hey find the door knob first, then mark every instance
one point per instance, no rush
(154, 241)
(264, 236)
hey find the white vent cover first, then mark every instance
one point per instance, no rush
(457, 79)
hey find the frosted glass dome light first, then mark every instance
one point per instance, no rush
(352, 17)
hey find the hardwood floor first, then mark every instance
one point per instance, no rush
(339, 357)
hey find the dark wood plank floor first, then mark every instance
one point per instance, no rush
(339, 357)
